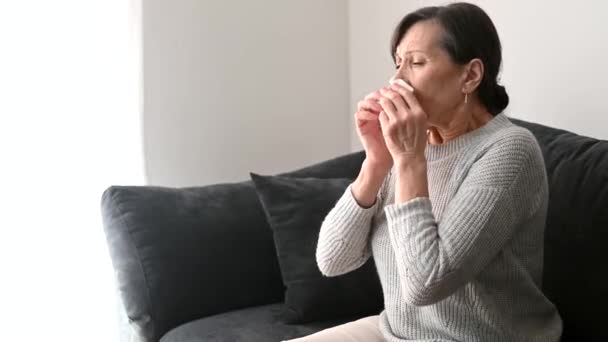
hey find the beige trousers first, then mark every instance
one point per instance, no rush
(362, 330)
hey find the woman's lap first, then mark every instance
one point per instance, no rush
(362, 330)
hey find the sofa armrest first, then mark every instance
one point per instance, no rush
(184, 253)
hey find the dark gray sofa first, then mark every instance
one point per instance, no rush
(199, 263)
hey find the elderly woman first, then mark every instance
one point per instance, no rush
(451, 199)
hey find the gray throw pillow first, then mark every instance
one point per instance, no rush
(295, 209)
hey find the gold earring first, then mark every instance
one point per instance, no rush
(466, 98)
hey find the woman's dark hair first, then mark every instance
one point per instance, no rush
(468, 33)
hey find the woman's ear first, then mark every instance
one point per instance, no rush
(473, 74)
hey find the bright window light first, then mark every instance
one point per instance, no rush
(70, 126)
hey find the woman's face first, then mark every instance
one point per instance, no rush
(438, 82)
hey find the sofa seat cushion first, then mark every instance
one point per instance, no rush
(254, 324)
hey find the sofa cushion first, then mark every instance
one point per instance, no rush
(575, 275)
(296, 208)
(255, 324)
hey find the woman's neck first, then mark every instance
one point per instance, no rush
(461, 123)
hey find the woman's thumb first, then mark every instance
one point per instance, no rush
(383, 120)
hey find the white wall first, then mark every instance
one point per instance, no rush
(554, 57)
(234, 86)
(238, 86)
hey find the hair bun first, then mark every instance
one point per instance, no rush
(501, 98)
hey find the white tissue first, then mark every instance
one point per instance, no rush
(401, 83)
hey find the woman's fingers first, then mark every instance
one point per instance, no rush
(396, 99)
(410, 99)
(369, 105)
(364, 115)
(389, 108)
(374, 96)
(384, 124)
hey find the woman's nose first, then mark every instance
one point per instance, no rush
(399, 76)
(400, 73)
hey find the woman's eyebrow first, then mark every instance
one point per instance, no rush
(412, 51)
(408, 53)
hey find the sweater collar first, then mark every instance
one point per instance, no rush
(436, 152)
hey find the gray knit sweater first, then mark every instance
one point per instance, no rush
(466, 263)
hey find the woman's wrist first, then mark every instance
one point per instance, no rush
(365, 188)
(375, 167)
(411, 178)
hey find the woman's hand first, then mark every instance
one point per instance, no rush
(370, 132)
(403, 123)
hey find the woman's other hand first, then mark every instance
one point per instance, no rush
(370, 132)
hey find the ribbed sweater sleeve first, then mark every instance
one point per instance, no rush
(343, 244)
(500, 190)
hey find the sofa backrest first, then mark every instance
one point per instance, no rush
(575, 273)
